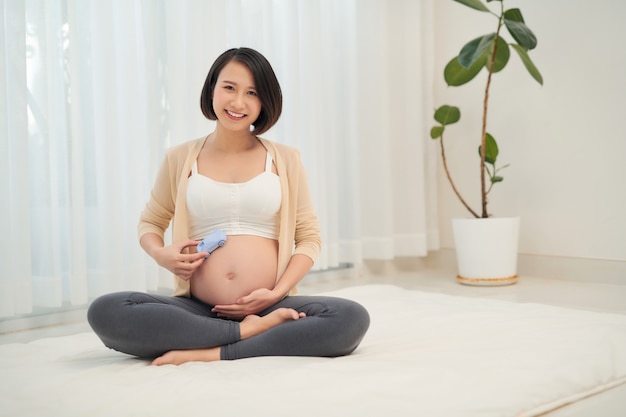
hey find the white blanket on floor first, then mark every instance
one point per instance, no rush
(426, 354)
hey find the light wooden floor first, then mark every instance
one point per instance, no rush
(529, 289)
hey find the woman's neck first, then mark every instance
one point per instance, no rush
(229, 141)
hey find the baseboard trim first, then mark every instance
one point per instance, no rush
(541, 266)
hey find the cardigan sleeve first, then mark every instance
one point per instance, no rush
(307, 232)
(159, 209)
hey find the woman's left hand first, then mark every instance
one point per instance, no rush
(256, 301)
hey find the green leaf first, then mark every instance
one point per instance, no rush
(514, 22)
(455, 74)
(491, 149)
(528, 63)
(446, 115)
(436, 132)
(514, 15)
(475, 49)
(474, 4)
(502, 56)
(496, 178)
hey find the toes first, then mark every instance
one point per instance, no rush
(170, 358)
(157, 362)
(295, 315)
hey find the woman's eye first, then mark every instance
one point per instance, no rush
(228, 87)
(252, 93)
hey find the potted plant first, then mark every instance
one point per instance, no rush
(486, 246)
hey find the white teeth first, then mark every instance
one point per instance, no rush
(235, 114)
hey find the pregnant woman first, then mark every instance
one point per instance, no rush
(237, 302)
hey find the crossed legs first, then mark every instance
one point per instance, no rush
(177, 330)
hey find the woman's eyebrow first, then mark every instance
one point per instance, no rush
(235, 84)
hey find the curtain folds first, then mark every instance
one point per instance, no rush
(92, 93)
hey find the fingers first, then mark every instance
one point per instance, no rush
(231, 311)
(227, 309)
(186, 264)
(192, 257)
(182, 264)
(188, 243)
(186, 269)
(238, 309)
(244, 300)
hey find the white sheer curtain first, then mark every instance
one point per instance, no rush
(93, 92)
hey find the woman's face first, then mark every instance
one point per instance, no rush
(235, 100)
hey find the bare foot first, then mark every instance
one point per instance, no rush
(250, 326)
(254, 325)
(177, 357)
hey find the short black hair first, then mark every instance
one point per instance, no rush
(265, 81)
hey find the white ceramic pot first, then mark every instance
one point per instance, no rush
(486, 250)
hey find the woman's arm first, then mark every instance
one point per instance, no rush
(298, 267)
(157, 215)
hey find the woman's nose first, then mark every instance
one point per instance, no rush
(238, 101)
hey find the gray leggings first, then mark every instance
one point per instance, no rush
(147, 326)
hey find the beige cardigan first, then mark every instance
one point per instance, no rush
(299, 231)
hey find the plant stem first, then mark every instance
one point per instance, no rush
(483, 140)
(445, 167)
(490, 176)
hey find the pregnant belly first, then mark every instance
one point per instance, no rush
(244, 264)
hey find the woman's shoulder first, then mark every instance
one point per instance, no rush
(280, 149)
(181, 151)
(186, 147)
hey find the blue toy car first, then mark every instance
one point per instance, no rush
(213, 241)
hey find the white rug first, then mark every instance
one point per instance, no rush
(425, 354)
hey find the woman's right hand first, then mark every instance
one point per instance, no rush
(181, 264)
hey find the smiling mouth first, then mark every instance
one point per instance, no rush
(234, 115)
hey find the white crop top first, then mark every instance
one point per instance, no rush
(247, 208)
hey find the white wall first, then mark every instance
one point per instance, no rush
(565, 141)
